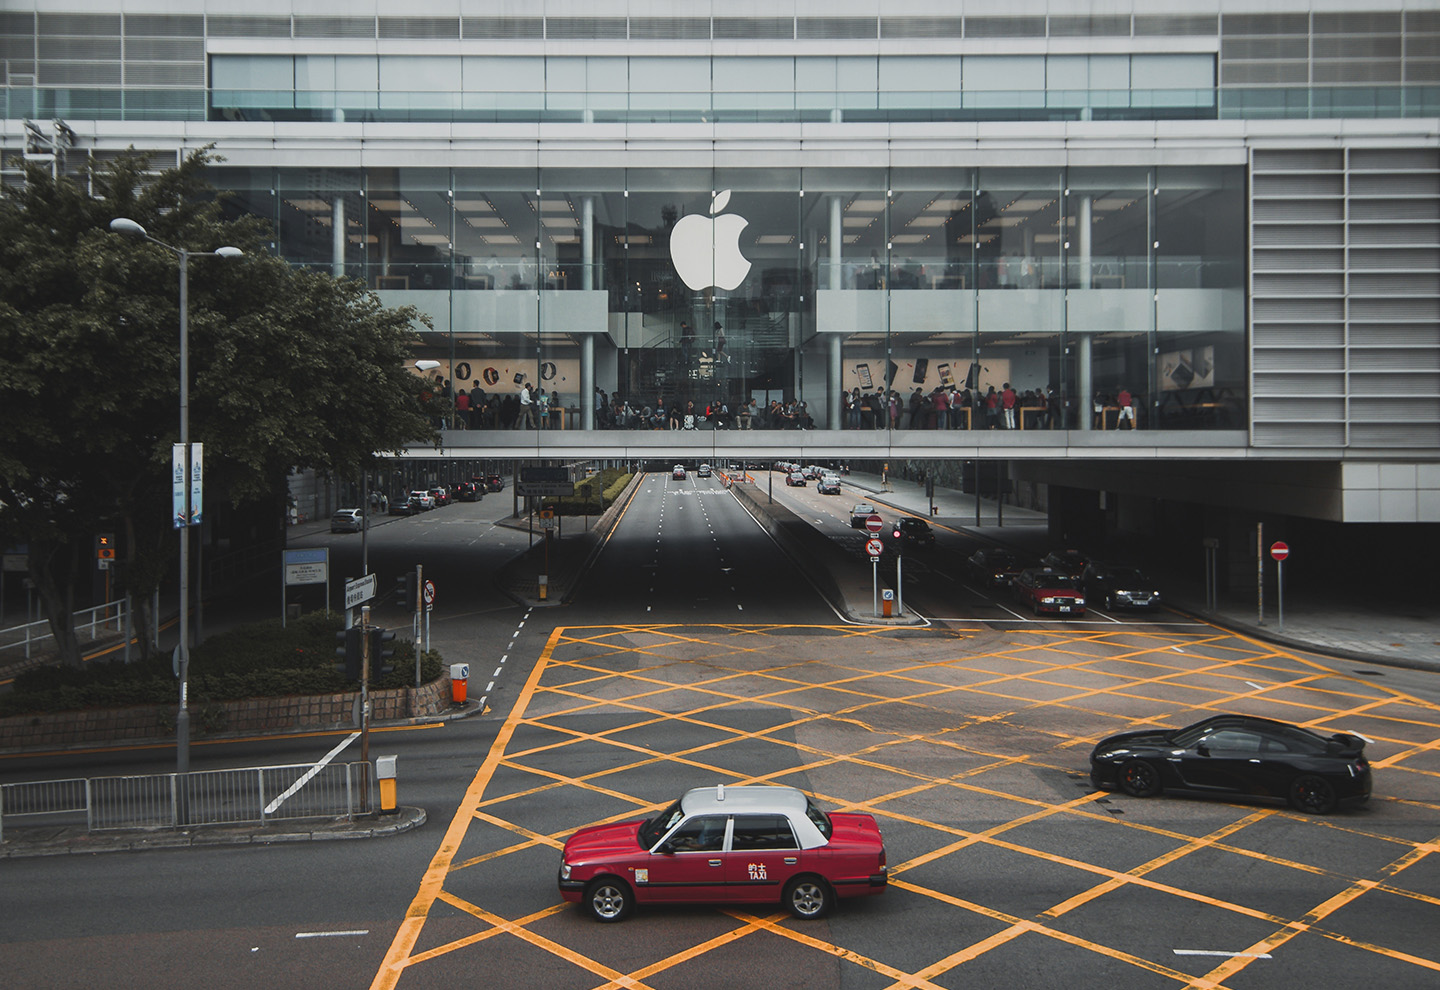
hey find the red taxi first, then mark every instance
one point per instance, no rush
(1046, 589)
(726, 845)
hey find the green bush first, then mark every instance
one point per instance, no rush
(260, 660)
(593, 495)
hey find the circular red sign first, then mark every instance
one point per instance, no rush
(874, 523)
(874, 548)
(1279, 551)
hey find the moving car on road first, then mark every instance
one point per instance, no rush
(347, 521)
(678, 472)
(859, 512)
(828, 485)
(1068, 561)
(991, 567)
(1046, 589)
(1119, 586)
(727, 845)
(423, 500)
(795, 479)
(494, 483)
(915, 531)
(441, 495)
(468, 491)
(704, 471)
(1237, 754)
(402, 507)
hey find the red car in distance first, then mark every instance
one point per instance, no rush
(1046, 589)
(726, 845)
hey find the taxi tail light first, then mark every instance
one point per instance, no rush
(882, 857)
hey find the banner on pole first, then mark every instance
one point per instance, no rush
(179, 512)
(197, 483)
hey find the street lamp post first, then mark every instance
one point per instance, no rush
(122, 225)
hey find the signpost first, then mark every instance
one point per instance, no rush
(1279, 551)
(545, 481)
(874, 523)
(874, 548)
(360, 590)
(427, 594)
(305, 567)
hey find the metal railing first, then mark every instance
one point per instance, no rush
(109, 617)
(205, 797)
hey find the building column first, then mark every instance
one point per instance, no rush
(587, 242)
(837, 244)
(337, 236)
(1084, 369)
(587, 382)
(834, 383)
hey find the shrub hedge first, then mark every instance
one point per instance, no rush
(593, 495)
(260, 660)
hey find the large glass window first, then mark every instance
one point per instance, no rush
(322, 220)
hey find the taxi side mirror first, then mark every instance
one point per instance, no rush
(665, 849)
(1203, 749)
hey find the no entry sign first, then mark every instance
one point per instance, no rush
(874, 523)
(1279, 550)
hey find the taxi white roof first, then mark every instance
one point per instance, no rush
(736, 800)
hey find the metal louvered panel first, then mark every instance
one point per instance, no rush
(834, 27)
(240, 26)
(754, 27)
(1392, 284)
(165, 74)
(502, 27)
(165, 25)
(1300, 159)
(921, 27)
(1394, 160)
(1296, 235)
(1396, 335)
(1282, 434)
(1417, 232)
(1292, 310)
(1307, 284)
(1365, 358)
(165, 49)
(1404, 308)
(1005, 27)
(94, 25)
(419, 27)
(78, 74)
(1151, 25)
(73, 49)
(1412, 383)
(1294, 383)
(1299, 335)
(1414, 208)
(1402, 431)
(670, 28)
(1302, 410)
(334, 27)
(1289, 184)
(1298, 359)
(1392, 259)
(1299, 209)
(1295, 259)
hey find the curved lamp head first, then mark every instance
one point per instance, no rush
(122, 225)
(427, 365)
(228, 252)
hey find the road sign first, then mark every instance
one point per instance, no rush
(1279, 550)
(360, 590)
(874, 547)
(105, 546)
(554, 475)
(428, 593)
(545, 488)
(874, 523)
(306, 566)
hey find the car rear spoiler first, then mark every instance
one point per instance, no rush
(1345, 743)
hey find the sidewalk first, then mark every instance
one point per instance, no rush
(1345, 623)
(64, 840)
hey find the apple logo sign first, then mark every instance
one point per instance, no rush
(706, 250)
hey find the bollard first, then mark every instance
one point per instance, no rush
(887, 602)
(459, 682)
(544, 586)
(385, 771)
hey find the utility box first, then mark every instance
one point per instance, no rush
(459, 682)
(385, 772)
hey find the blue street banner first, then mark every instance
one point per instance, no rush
(197, 478)
(179, 513)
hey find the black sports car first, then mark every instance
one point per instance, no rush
(1237, 754)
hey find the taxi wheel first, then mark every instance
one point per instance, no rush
(1312, 795)
(808, 898)
(1139, 779)
(607, 899)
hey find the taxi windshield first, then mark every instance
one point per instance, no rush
(653, 829)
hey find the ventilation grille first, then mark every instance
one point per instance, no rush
(93, 25)
(922, 27)
(334, 27)
(1004, 27)
(587, 28)
(674, 28)
(419, 27)
(164, 25)
(835, 27)
(229, 26)
(754, 27)
(502, 27)
(1345, 304)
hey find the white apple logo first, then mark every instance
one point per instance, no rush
(706, 250)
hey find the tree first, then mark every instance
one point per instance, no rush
(289, 369)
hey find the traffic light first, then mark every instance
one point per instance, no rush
(380, 639)
(405, 591)
(349, 653)
(896, 531)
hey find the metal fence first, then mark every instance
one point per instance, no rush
(206, 797)
(107, 618)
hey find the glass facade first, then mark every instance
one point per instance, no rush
(1026, 298)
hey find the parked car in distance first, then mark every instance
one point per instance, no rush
(402, 507)
(828, 485)
(1119, 586)
(1046, 589)
(1069, 561)
(441, 495)
(994, 567)
(423, 500)
(348, 521)
(726, 845)
(494, 483)
(859, 512)
(916, 531)
(795, 479)
(1237, 754)
(678, 472)
(704, 471)
(468, 491)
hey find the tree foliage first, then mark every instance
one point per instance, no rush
(290, 369)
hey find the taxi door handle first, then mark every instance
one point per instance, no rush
(716, 862)
(791, 860)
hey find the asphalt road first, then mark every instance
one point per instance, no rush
(695, 653)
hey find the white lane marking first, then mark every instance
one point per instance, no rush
(522, 623)
(1227, 955)
(647, 608)
(358, 931)
(740, 607)
(497, 671)
(489, 687)
(504, 657)
(1257, 687)
(290, 791)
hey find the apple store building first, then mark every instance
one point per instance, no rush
(1151, 229)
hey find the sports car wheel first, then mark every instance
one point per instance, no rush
(1139, 779)
(1312, 795)
(807, 898)
(607, 899)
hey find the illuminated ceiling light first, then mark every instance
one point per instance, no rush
(911, 238)
(865, 206)
(775, 239)
(478, 205)
(857, 221)
(482, 222)
(923, 221)
(948, 204)
(309, 205)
